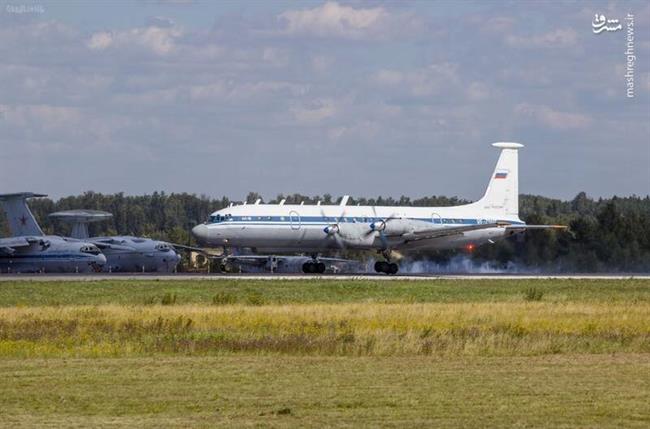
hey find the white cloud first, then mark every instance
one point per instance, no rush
(321, 63)
(233, 90)
(359, 130)
(43, 116)
(477, 91)
(332, 19)
(150, 98)
(559, 38)
(335, 20)
(315, 111)
(160, 40)
(275, 56)
(496, 24)
(100, 41)
(427, 81)
(553, 118)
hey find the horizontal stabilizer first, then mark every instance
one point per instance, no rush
(537, 227)
(20, 196)
(12, 242)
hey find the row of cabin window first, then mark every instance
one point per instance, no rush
(228, 217)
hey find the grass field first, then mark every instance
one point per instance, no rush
(447, 353)
(35, 293)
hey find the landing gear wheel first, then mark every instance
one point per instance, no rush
(320, 267)
(386, 267)
(393, 268)
(313, 267)
(381, 266)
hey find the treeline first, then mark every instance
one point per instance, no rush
(604, 235)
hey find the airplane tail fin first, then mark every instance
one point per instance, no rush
(20, 217)
(502, 194)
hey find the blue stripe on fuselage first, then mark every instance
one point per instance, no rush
(321, 220)
(44, 256)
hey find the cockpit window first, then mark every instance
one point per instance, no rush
(218, 218)
(89, 248)
(163, 247)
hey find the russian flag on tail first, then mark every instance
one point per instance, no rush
(501, 175)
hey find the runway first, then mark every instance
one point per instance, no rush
(302, 277)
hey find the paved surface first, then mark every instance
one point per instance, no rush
(95, 277)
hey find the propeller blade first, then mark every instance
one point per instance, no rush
(384, 241)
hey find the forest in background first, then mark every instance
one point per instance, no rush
(605, 235)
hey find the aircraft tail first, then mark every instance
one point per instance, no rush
(502, 194)
(20, 217)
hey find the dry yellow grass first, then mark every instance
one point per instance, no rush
(531, 328)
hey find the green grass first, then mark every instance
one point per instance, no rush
(260, 391)
(35, 293)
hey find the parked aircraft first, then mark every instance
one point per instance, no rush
(314, 229)
(124, 253)
(29, 250)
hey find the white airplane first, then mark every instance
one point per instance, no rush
(317, 228)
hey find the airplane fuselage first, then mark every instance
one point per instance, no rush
(137, 254)
(53, 254)
(291, 228)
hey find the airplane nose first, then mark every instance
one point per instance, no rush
(200, 232)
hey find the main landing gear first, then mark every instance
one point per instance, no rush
(313, 267)
(386, 266)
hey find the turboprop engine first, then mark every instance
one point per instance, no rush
(393, 227)
(364, 235)
(350, 234)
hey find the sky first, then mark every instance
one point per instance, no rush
(361, 98)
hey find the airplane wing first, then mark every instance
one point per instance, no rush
(522, 227)
(445, 232)
(189, 248)
(337, 260)
(429, 234)
(8, 245)
(255, 260)
(262, 260)
(108, 243)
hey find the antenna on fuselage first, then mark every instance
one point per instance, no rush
(258, 201)
(344, 200)
(282, 202)
(80, 220)
(318, 203)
